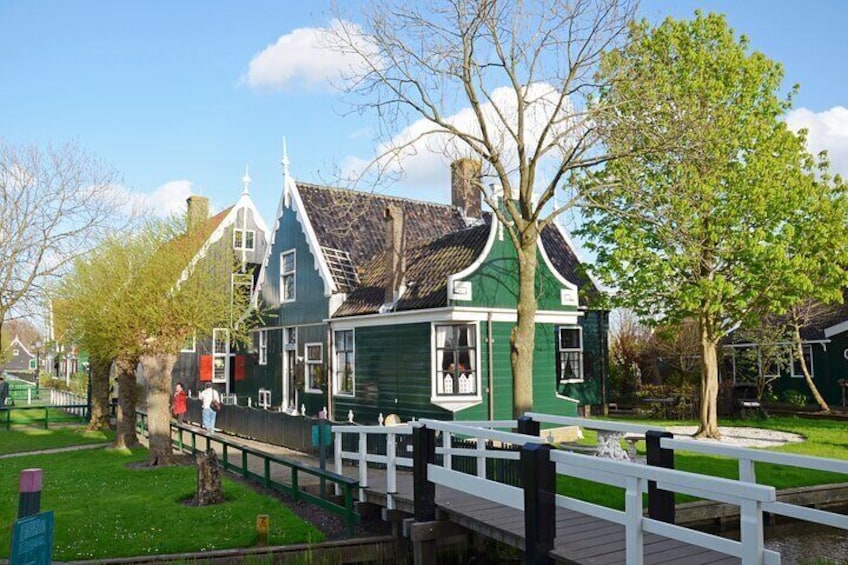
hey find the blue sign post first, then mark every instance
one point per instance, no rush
(32, 540)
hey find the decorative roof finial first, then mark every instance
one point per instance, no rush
(285, 160)
(246, 179)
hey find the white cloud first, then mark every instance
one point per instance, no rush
(305, 58)
(426, 152)
(828, 131)
(166, 200)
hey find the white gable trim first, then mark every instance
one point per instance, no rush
(312, 240)
(21, 345)
(572, 296)
(470, 269)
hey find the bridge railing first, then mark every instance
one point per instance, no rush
(633, 478)
(397, 437)
(748, 457)
(750, 498)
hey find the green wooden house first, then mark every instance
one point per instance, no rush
(382, 305)
(240, 229)
(825, 347)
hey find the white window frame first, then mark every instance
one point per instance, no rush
(807, 350)
(284, 274)
(338, 371)
(193, 348)
(312, 362)
(220, 358)
(16, 352)
(244, 233)
(565, 352)
(455, 401)
(263, 347)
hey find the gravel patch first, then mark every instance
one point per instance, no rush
(742, 437)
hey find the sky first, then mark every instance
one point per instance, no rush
(179, 97)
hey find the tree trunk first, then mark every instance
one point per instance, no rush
(208, 479)
(157, 373)
(523, 337)
(708, 427)
(799, 351)
(126, 436)
(100, 412)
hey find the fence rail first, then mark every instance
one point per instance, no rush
(276, 428)
(268, 463)
(52, 414)
(747, 474)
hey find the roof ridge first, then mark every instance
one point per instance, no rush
(375, 194)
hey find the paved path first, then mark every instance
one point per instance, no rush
(56, 450)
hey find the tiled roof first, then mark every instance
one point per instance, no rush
(565, 261)
(351, 231)
(353, 221)
(427, 269)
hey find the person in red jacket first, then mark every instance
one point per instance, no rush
(180, 407)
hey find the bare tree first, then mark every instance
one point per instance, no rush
(55, 205)
(508, 83)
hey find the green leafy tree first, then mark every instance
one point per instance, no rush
(732, 221)
(165, 285)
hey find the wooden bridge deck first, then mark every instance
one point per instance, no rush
(580, 539)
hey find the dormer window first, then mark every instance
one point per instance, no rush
(244, 240)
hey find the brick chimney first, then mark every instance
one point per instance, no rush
(197, 212)
(465, 187)
(395, 253)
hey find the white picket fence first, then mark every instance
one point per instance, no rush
(77, 402)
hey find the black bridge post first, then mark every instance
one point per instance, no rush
(660, 502)
(538, 475)
(528, 426)
(424, 491)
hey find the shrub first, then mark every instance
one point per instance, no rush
(795, 398)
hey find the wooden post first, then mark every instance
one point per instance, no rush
(538, 475)
(262, 521)
(29, 498)
(660, 502)
(424, 453)
(528, 426)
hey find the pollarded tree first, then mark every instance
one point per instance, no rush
(730, 223)
(505, 83)
(171, 286)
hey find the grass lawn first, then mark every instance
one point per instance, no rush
(20, 439)
(103, 508)
(35, 416)
(825, 438)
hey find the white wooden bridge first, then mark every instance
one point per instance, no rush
(442, 494)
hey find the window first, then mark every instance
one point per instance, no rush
(570, 355)
(314, 367)
(190, 344)
(287, 272)
(456, 356)
(344, 383)
(263, 347)
(797, 372)
(290, 338)
(16, 352)
(243, 240)
(32, 364)
(220, 355)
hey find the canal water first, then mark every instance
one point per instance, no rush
(805, 543)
